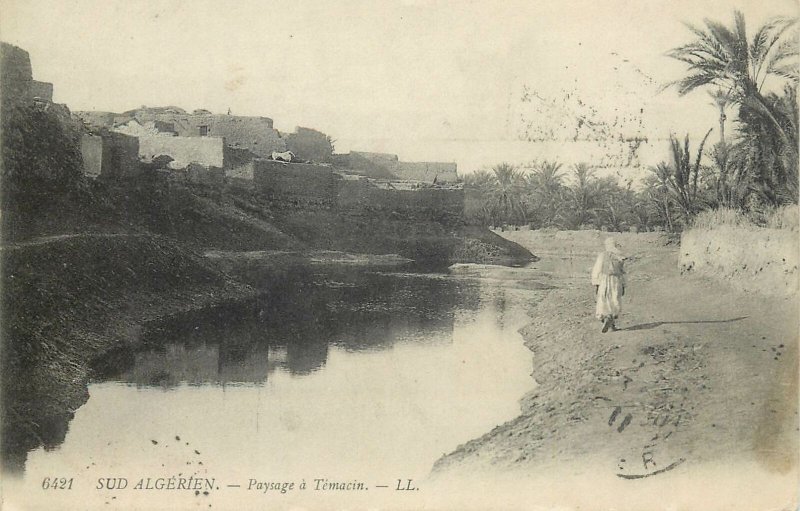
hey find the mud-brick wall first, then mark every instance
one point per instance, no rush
(307, 184)
(208, 176)
(374, 165)
(110, 155)
(429, 204)
(16, 77)
(308, 144)
(121, 154)
(429, 172)
(96, 118)
(752, 259)
(42, 90)
(299, 183)
(254, 134)
(15, 74)
(208, 151)
(92, 152)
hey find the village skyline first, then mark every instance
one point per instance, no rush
(426, 80)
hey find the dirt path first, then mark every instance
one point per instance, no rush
(700, 382)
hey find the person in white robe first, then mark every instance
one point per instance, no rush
(608, 279)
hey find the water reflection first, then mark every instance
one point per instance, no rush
(351, 375)
(291, 329)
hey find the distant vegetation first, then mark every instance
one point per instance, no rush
(752, 174)
(545, 194)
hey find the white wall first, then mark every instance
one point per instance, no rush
(207, 151)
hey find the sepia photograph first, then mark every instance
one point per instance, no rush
(399, 255)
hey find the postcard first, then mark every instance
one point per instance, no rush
(400, 255)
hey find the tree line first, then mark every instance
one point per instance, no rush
(754, 171)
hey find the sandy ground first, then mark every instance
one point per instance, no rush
(692, 405)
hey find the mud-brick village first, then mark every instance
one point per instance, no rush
(538, 270)
(115, 220)
(219, 149)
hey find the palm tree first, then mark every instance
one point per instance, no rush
(507, 196)
(683, 180)
(721, 100)
(481, 179)
(616, 205)
(546, 191)
(582, 194)
(767, 166)
(724, 57)
(657, 190)
(639, 211)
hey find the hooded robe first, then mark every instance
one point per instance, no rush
(609, 275)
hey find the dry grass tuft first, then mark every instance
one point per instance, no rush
(715, 218)
(783, 217)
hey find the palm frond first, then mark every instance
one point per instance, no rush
(734, 43)
(689, 83)
(723, 38)
(789, 71)
(768, 35)
(786, 49)
(721, 55)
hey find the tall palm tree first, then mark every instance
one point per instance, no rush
(768, 166)
(721, 100)
(723, 56)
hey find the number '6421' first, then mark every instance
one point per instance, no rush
(56, 483)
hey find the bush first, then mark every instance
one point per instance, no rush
(41, 153)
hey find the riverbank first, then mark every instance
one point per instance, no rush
(78, 303)
(692, 400)
(69, 299)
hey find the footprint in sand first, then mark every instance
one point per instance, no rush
(614, 414)
(624, 424)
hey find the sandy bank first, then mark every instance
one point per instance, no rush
(701, 380)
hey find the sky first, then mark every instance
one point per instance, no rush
(424, 79)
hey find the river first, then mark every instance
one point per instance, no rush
(348, 376)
